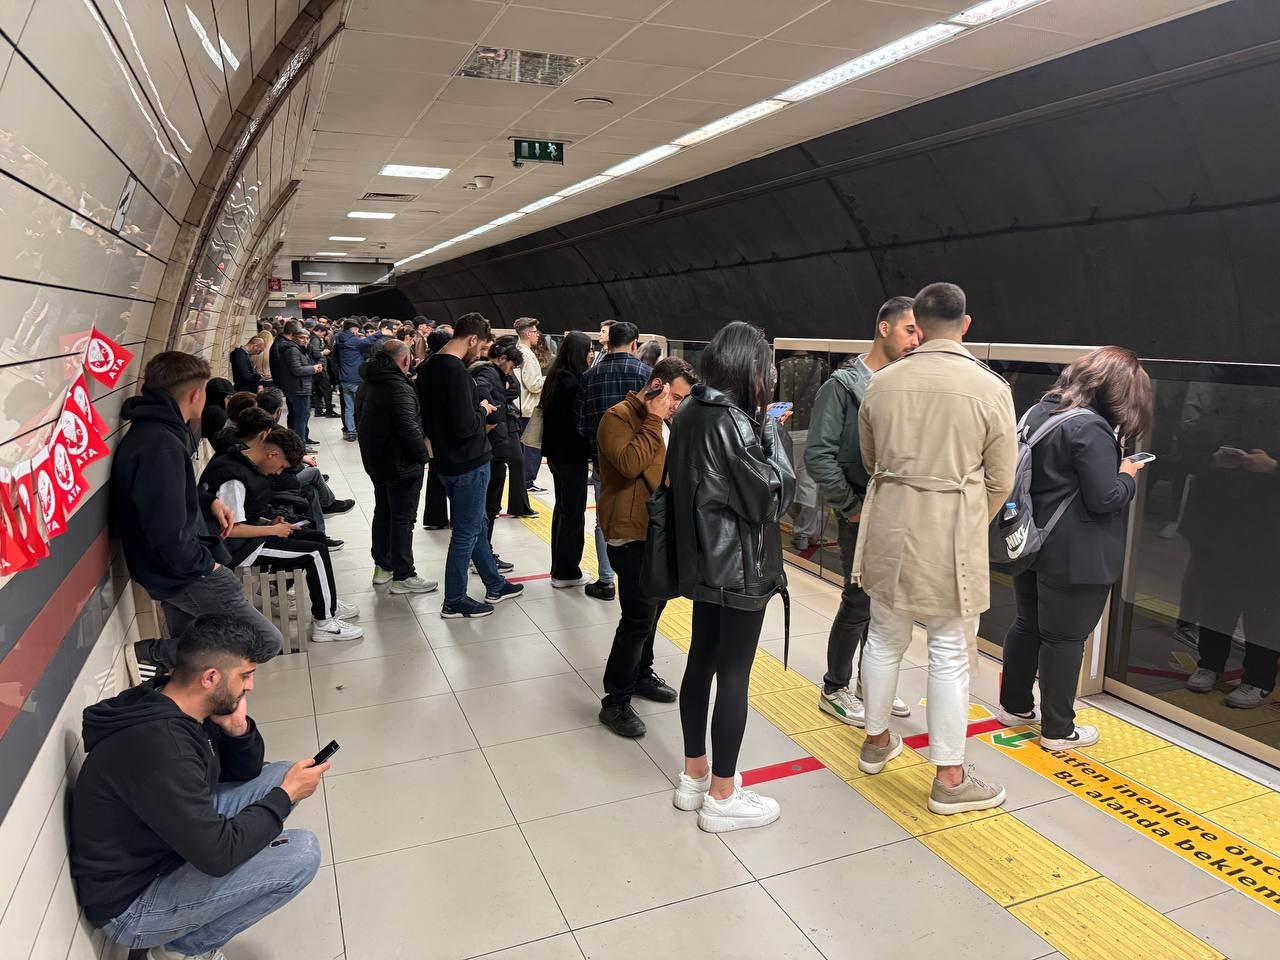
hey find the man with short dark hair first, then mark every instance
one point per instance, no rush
(454, 418)
(244, 374)
(531, 380)
(296, 370)
(632, 446)
(603, 385)
(603, 347)
(156, 510)
(177, 840)
(834, 460)
(350, 349)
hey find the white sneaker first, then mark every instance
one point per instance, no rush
(900, 708)
(844, 706)
(742, 810)
(334, 629)
(1082, 736)
(414, 585)
(346, 611)
(293, 606)
(1202, 680)
(161, 953)
(1010, 719)
(381, 576)
(582, 581)
(690, 792)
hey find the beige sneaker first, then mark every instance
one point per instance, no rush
(972, 794)
(872, 759)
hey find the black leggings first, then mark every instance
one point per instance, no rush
(723, 647)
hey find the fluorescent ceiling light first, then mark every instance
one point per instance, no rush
(541, 204)
(507, 219)
(408, 170)
(890, 53)
(351, 239)
(982, 13)
(582, 185)
(329, 253)
(314, 273)
(732, 121)
(483, 228)
(369, 215)
(642, 160)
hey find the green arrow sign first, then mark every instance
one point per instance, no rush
(1012, 741)
(538, 151)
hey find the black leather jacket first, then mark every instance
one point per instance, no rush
(729, 490)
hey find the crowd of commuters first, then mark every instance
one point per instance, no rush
(177, 825)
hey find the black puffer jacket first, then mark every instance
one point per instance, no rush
(388, 423)
(730, 488)
(504, 438)
(295, 369)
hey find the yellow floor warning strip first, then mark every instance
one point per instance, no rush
(1189, 779)
(1099, 920)
(1084, 916)
(1257, 818)
(1008, 860)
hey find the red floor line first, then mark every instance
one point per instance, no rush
(780, 770)
(981, 726)
(531, 576)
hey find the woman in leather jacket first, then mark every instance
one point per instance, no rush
(567, 453)
(731, 479)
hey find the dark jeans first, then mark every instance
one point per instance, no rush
(568, 519)
(435, 509)
(1259, 663)
(532, 456)
(723, 648)
(1054, 620)
(395, 507)
(467, 542)
(299, 413)
(219, 592)
(849, 627)
(493, 495)
(517, 493)
(321, 394)
(631, 655)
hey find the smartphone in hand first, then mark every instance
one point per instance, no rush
(1141, 457)
(776, 410)
(327, 751)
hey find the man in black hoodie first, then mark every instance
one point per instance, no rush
(176, 824)
(156, 509)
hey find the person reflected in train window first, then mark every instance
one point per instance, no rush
(650, 353)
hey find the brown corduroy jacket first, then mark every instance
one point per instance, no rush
(631, 449)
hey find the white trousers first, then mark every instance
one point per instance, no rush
(888, 636)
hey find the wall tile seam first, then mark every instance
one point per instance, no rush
(49, 423)
(71, 289)
(65, 356)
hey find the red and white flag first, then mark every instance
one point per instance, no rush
(52, 503)
(70, 481)
(78, 397)
(83, 442)
(104, 359)
(13, 553)
(24, 511)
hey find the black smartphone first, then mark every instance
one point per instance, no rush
(328, 751)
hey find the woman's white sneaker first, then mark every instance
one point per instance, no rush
(690, 792)
(741, 810)
(346, 611)
(582, 581)
(334, 629)
(1082, 736)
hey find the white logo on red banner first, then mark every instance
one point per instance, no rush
(105, 359)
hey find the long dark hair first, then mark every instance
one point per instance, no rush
(1111, 381)
(739, 363)
(572, 356)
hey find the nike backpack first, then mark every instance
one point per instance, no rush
(1014, 539)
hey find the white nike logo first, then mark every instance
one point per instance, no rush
(1017, 542)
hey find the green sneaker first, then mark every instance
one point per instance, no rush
(381, 576)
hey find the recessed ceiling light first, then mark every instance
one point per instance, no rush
(329, 253)
(593, 103)
(540, 204)
(351, 239)
(878, 59)
(991, 10)
(731, 122)
(408, 170)
(369, 215)
(582, 185)
(507, 219)
(641, 160)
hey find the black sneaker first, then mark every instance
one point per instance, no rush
(504, 566)
(622, 720)
(504, 592)
(333, 545)
(600, 590)
(534, 488)
(144, 662)
(435, 526)
(524, 516)
(654, 688)
(465, 608)
(339, 506)
(349, 437)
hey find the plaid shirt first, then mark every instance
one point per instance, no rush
(604, 385)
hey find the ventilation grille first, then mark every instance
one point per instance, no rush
(392, 197)
(521, 66)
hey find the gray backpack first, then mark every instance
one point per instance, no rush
(1014, 538)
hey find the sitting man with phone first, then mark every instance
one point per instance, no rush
(177, 839)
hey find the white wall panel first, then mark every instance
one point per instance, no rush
(41, 322)
(13, 16)
(262, 30)
(207, 63)
(33, 394)
(233, 31)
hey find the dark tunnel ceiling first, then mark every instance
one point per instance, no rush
(1144, 213)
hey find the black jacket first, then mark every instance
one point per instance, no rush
(388, 422)
(729, 488)
(295, 369)
(231, 466)
(143, 801)
(1087, 545)
(451, 416)
(504, 438)
(561, 441)
(243, 373)
(155, 507)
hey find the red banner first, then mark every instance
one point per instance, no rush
(13, 553)
(104, 359)
(71, 484)
(78, 394)
(83, 442)
(52, 504)
(28, 523)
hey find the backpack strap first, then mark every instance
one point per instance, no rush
(1052, 424)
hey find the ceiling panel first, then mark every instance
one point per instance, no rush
(729, 88)
(493, 93)
(431, 130)
(676, 46)
(696, 112)
(555, 124)
(622, 76)
(627, 9)
(623, 103)
(404, 54)
(382, 86)
(463, 20)
(1101, 18)
(784, 61)
(1001, 46)
(919, 78)
(756, 18)
(466, 114)
(856, 24)
(551, 31)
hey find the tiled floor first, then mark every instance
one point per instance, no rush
(477, 808)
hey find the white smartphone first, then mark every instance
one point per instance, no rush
(1141, 458)
(300, 523)
(1234, 451)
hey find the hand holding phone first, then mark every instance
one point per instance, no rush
(1141, 457)
(776, 410)
(327, 751)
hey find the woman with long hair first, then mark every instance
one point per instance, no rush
(262, 361)
(567, 453)
(1061, 598)
(731, 480)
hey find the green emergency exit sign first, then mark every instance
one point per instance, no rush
(539, 151)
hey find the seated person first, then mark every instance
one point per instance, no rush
(176, 824)
(237, 403)
(308, 475)
(262, 539)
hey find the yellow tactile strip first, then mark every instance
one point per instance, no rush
(1118, 739)
(1084, 916)
(1189, 779)
(1257, 818)
(1098, 920)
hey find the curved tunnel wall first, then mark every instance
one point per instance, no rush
(1127, 193)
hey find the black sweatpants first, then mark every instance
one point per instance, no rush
(395, 505)
(568, 519)
(435, 509)
(723, 648)
(631, 655)
(849, 626)
(1053, 622)
(304, 551)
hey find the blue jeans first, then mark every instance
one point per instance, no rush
(193, 913)
(299, 413)
(349, 406)
(469, 536)
(603, 567)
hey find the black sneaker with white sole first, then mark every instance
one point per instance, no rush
(338, 506)
(504, 566)
(466, 608)
(504, 592)
(146, 662)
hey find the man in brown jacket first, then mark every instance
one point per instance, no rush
(938, 439)
(631, 443)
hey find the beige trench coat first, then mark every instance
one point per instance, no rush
(939, 440)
